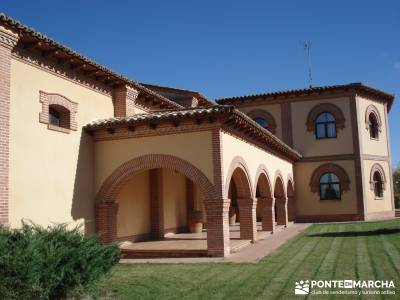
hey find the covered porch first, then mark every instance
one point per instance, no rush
(190, 182)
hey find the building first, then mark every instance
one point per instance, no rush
(84, 145)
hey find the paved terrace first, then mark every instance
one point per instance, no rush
(194, 247)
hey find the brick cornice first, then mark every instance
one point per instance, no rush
(8, 39)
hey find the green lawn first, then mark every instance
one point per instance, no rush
(331, 251)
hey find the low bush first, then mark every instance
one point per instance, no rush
(51, 263)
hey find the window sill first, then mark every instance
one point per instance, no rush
(330, 200)
(378, 198)
(57, 128)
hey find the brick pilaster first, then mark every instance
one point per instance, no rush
(8, 40)
(156, 204)
(217, 226)
(291, 208)
(268, 215)
(124, 101)
(281, 211)
(247, 218)
(106, 221)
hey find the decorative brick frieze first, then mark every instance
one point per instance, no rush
(8, 40)
(66, 107)
(124, 99)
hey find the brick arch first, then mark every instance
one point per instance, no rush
(111, 186)
(261, 113)
(291, 199)
(239, 172)
(56, 100)
(371, 109)
(279, 185)
(377, 168)
(262, 182)
(332, 168)
(325, 107)
(280, 199)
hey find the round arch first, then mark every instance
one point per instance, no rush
(325, 107)
(261, 113)
(291, 202)
(280, 199)
(116, 180)
(377, 168)
(239, 172)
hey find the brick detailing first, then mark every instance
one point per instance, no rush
(291, 204)
(286, 117)
(261, 113)
(325, 107)
(106, 221)
(124, 101)
(107, 194)
(371, 109)
(156, 204)
(280, 200)
(239, 172)
(264, 199)
(7, 41)
(377, 168)
(67, 109)
(247, 216)
(331, 168)
(217, 205)
(268, 214)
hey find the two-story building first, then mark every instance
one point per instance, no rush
(81, 144)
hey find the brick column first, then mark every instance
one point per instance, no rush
(106, 221)
(124, 101)
(268, 215)
(156, 204)
(281, 211)
(217, 226)
(291, 208)
(247, 218)
(8, 40)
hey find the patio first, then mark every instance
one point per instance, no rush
(186, 244)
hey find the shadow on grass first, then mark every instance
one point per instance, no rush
(356, 233)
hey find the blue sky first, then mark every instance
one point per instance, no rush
(226, 48)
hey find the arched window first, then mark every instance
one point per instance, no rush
(329, 187)
(263, 118)
(261, 121)
(373, 126)
(378, 185)
(59, 116)
(325, 126)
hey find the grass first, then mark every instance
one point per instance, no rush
(358, 251)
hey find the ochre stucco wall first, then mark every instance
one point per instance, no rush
(305, 141)
(254, 157)
(308, 203)
(133, 200)
(193, 147)
(273, 109)
(368, 145)
(174, 187)
(377, 205)
(51, 173)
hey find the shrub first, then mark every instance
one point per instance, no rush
(51, 263)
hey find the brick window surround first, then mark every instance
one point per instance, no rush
(377, 168)
(329, 168)
(261, 113)
(371, 109)
(325, 108)
(67, 109)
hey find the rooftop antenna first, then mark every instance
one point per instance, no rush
(307, 48)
